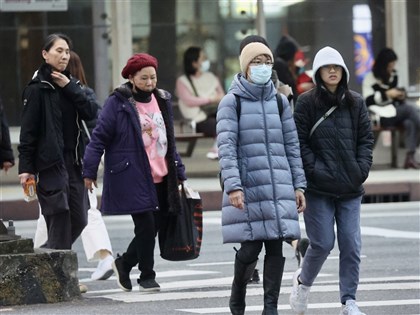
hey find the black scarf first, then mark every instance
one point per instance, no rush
(142, 96)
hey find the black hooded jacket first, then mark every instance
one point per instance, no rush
(51, 121)
(338, 156)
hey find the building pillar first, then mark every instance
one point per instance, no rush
(260, 20)
(102, 72)
(396, 36)
(121, 37)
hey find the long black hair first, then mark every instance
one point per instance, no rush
(342, 95)
(191, 55)
(380, 67)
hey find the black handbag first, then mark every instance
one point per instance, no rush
(180, 235)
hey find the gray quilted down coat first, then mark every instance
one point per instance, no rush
(258, 154)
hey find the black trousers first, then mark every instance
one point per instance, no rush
(208, 127)
(146, 226)
(249, 251)
(64, 202)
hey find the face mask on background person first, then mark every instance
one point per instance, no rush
(205, 66)
(300, 70)
(260, 74)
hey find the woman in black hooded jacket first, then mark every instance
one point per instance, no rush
(336, 144)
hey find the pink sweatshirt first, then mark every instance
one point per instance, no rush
(154, 137)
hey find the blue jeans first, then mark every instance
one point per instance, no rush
(320, 215)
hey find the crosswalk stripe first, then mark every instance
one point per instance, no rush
(190, 284)
(313, 306)
(136, 296)
(390, 215)
(219, 263)
(162, 274)
(6, 309)
(182, 273)
(389, 233)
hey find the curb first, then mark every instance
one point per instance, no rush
(212, 200)
(22, 210)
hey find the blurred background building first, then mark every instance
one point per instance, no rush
(106, 33)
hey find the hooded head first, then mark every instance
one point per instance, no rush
(138, 62)
(286, 48)
(328, 56)
(250, 51)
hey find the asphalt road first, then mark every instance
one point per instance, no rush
(389, 280)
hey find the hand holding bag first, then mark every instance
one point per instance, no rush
(180, 235)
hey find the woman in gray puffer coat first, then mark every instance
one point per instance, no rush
(262, 173)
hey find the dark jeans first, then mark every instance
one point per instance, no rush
(249, 251)
(408, 115)
(64, 202)
(208, 127)
(146, 226)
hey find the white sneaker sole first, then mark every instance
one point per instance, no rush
(104, 276)
(141, 289)
(212, 156)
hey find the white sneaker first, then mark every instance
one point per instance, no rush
(350, 308)
(83, 288)
(104, 269)
(212, 155)
(299, 295)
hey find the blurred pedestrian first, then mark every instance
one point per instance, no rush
(284, 62)
(199, 91)
(51, 147)
(388, 100)
(142, 167)
(262, 172)
(7, 159)
(304, 78)
(95, 238)
(336, 144)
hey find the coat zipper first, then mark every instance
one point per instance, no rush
(76, 153)
(270, 165)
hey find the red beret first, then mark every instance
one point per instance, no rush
(138, 62)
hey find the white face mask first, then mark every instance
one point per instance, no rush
(205, 66)
(260, 74)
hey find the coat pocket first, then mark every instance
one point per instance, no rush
(120, 166)
(52, 202)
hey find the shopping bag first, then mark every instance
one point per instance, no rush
(180, 235)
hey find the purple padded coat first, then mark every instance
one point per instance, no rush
(128, 186)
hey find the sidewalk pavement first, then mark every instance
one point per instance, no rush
(202, 176)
